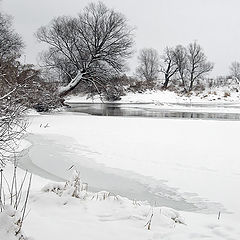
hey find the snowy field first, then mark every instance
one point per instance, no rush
(194, 162)
(189, 165)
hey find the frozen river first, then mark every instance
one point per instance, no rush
(227, 111)
(51, 156)
(185, 164)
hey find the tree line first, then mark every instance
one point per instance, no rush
(186, 64)
(185, 67)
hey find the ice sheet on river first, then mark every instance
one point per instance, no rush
(51, 156)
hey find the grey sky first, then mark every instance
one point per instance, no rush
(215, 24)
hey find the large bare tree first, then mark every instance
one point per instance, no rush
(149, 65)
(90, 47)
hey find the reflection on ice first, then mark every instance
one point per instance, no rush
(186, 111)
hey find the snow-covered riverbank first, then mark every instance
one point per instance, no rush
(220, 96)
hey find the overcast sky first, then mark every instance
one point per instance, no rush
(215, 24)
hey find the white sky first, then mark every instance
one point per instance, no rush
(215, 24)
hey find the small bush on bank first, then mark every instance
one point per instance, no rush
(227, 94)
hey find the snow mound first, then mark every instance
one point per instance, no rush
(10, 224)
(173, 214)
(110, 207)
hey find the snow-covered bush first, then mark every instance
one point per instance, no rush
(78, 189)
(108, 206)
(173, 214)
(163, 216)
(13, 205)
(227, 94)
(11, 224)
(74, 187)
(104, 195)
(54, 187)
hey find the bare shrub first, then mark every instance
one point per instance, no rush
(13, 202)
(227, 94)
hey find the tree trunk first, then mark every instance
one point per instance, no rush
(165, 85)
(183, 82)
(191, 86)
(74, 82)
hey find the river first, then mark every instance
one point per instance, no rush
(225, 111)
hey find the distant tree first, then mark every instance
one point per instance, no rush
(198, 66)
(149, 65)
(89, 48)
(181, 61)
(168, 66)
(192, 64)
(235, 71)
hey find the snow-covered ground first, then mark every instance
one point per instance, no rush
(209, 96)
(181, 162)
(189, 165)
(104, 215)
